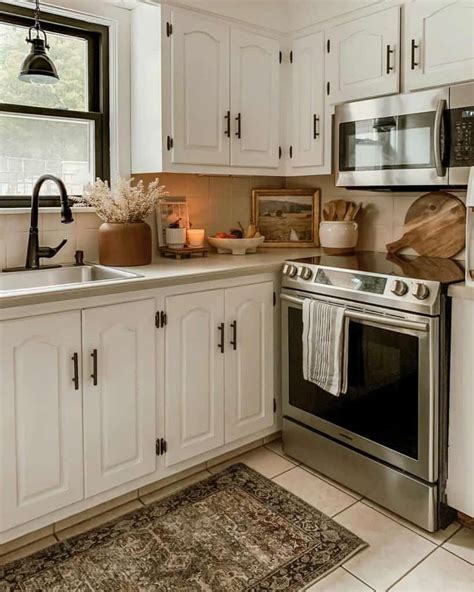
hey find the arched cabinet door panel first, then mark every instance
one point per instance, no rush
(119, 394)
(439, 43)
(364, 57)
(199, 90)
(249, 360)
(40, 416)
(194, 375)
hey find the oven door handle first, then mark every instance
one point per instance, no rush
(363, 316)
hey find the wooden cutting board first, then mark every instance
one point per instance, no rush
(435, 226)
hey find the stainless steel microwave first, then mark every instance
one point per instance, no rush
(403, 141)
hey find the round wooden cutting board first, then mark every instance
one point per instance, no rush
(435, 226)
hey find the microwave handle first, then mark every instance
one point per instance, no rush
(363, 316)
(440, 109)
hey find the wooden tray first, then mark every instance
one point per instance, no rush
(184, 252)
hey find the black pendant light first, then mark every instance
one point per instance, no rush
(37, 66)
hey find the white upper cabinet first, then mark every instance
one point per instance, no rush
(249, 360)
(119, 394)
(438, 43)
(255, 88)
(40, 416)
(194, 374)
(200, 90)
(364, 56)
(308, 113)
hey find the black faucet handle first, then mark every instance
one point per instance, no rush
(49, 252)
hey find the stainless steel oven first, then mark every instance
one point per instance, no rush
(418, 139)
(390, 408)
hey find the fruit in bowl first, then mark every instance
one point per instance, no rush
(235, 243)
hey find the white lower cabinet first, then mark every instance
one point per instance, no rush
(219, 375)
(194, 374)
(40, 416)
(119, 394)
(249, 360)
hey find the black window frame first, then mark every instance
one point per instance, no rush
(98, 111)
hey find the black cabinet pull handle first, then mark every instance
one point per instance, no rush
(389, 67)
(233, 341)
(227, 128)
(238, 119)
(414, 47)
(221, 344)
(75, 378)
(94, 367)
(315, 127)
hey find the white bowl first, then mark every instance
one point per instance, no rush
(236, 246)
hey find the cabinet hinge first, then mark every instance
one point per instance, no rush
(328, 88)
(280, 56)
(291, 57)
(279, 151)
(291, 151)
(274, 405)
(161, 319)
(169, 142)
(169, 29)
(328, 46)
(161, 446)
(274, 299)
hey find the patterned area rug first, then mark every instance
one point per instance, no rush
(235, 531)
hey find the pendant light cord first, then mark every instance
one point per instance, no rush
(37, 18)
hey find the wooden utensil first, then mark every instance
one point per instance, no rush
(325, 214)
(332, 210)
(341, 209)
(434, 226)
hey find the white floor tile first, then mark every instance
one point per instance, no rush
(334, 483)
(339, 581)
(462, 544)
(437, 537)
(440, 572)
(262, 460)
(316, 492)
(393, 549)
(276, 446)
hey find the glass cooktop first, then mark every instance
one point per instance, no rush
(445, 271)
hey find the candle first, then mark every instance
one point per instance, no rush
(196, 237)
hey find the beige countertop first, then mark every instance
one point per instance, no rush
(461, 291)
(163, 272)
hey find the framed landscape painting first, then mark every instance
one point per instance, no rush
(287, 217)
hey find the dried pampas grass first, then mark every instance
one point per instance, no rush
(123, 202)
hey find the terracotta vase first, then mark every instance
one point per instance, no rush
(124, 245)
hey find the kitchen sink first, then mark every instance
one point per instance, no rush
(60, 276)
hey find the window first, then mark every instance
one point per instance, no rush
(62, 129)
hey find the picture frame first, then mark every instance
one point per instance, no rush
(287, 217)
(169, 210)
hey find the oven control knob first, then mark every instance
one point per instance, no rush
(421, 291)
(399, 288)
(291, 271)
(305, 273)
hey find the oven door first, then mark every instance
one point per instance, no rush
(390, 408)
(392, 141)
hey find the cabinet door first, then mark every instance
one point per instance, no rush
(249, 360)
(194, 375)
(119, 394)
(439, 43)
(40, 417)
(255, 89)
(363, 60)
(200, 90)
(308, 100)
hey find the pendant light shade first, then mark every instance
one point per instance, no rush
(38, 67)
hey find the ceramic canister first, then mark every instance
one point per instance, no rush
(338, 237)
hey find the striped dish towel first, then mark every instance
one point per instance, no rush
(325, 345)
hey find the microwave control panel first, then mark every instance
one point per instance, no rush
(462, 137)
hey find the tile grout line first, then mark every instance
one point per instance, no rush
(412, 568)
(357, 577)
(356, 501)
(288, 458)
(280, 474)
(458, 556)
(333, 483)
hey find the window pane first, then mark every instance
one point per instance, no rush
(69, 55)
(31, 145)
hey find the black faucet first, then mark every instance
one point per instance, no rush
(35, 252)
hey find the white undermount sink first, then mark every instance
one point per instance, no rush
(61, 276)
